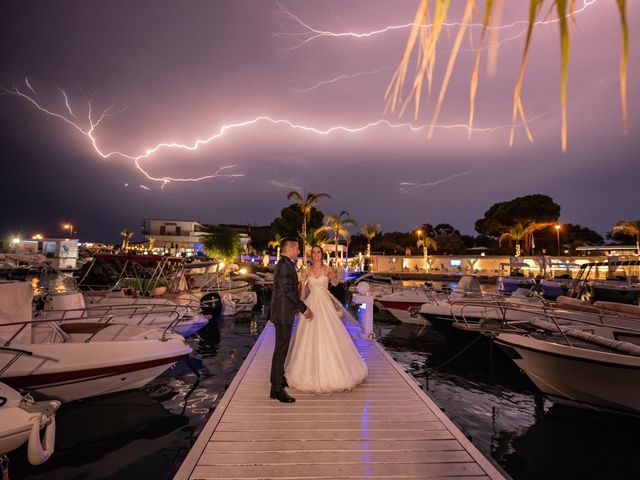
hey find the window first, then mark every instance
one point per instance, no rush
(178, 230)
(456, 263)
(163, 230)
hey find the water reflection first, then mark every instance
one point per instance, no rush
(503, 413)
(146, 433)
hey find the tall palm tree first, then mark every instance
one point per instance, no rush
(275, 243)
(336, 225)
(513, 235)
(426, 242)
(629, 227)
(305, 204)
(370, 231)
(126, 235)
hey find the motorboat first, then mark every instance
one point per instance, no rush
(405, 304)
(73, 359)
(621, 286)
(233, 303)
(65, 302)
(578, 364)
(549, 289)
(21, 422)
(467, 298)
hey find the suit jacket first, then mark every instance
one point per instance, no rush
(285, 300)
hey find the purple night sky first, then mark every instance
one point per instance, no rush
(180, 71)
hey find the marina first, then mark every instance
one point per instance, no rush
(384, 428)
(277, 239)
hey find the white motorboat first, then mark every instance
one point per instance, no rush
(405, 304)
(579, 364)
(69, 360)
(21, 420)
(233, 303)
(65, 302)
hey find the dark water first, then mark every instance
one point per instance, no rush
(145, 434)
(496, 405)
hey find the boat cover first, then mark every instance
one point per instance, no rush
(15, 306)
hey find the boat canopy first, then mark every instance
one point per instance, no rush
(15, 306)
(622, 263)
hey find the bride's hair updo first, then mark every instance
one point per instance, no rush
(321, 252)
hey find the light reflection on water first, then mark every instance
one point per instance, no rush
(146, 433)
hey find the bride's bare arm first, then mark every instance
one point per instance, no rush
(303, 283)
(331, 275)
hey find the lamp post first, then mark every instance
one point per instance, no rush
(557, 227)
(425, 262)
(68, 226)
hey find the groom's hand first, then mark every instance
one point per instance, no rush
(308, 314)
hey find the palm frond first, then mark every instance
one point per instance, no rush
(622, 7)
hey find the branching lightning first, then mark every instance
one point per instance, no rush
(309, 33)
(89, 131)
(351, 76)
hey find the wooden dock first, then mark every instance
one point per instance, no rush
(386, 428)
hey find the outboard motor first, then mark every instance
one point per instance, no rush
(211, 304)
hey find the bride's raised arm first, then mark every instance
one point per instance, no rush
(331, 275)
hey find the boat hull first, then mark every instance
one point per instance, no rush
(71, 371)
(577, 377)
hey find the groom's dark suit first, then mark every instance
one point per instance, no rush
(285, 302)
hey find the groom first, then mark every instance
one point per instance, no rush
(285, 302)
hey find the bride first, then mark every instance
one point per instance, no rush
(322, 357)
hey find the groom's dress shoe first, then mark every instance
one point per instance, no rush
(282, 396)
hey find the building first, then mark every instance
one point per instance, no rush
(174, 236)
(607, 250)
(184, 237)
(62, 252)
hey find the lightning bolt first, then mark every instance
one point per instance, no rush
(409, 188)
(310, 33)
(351, 76)
(93, 123)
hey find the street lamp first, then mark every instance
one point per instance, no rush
(557, 227)
(37, 236)
(68, 226)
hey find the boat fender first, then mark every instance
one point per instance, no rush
(37, 454)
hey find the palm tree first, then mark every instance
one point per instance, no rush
(370, 231)
(222, 243)
(336, 224)
(629, 227)
(275, 243)
(126, 235)
(514, 234)
(305, 204)
(426, 242)
(313, 237)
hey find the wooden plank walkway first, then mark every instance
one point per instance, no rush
(386, 428)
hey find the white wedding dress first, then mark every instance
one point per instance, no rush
(322, 357)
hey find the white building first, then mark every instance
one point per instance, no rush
(62, 252)
(180, 236)
(174, 236)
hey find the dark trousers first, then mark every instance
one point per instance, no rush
(283, 337)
